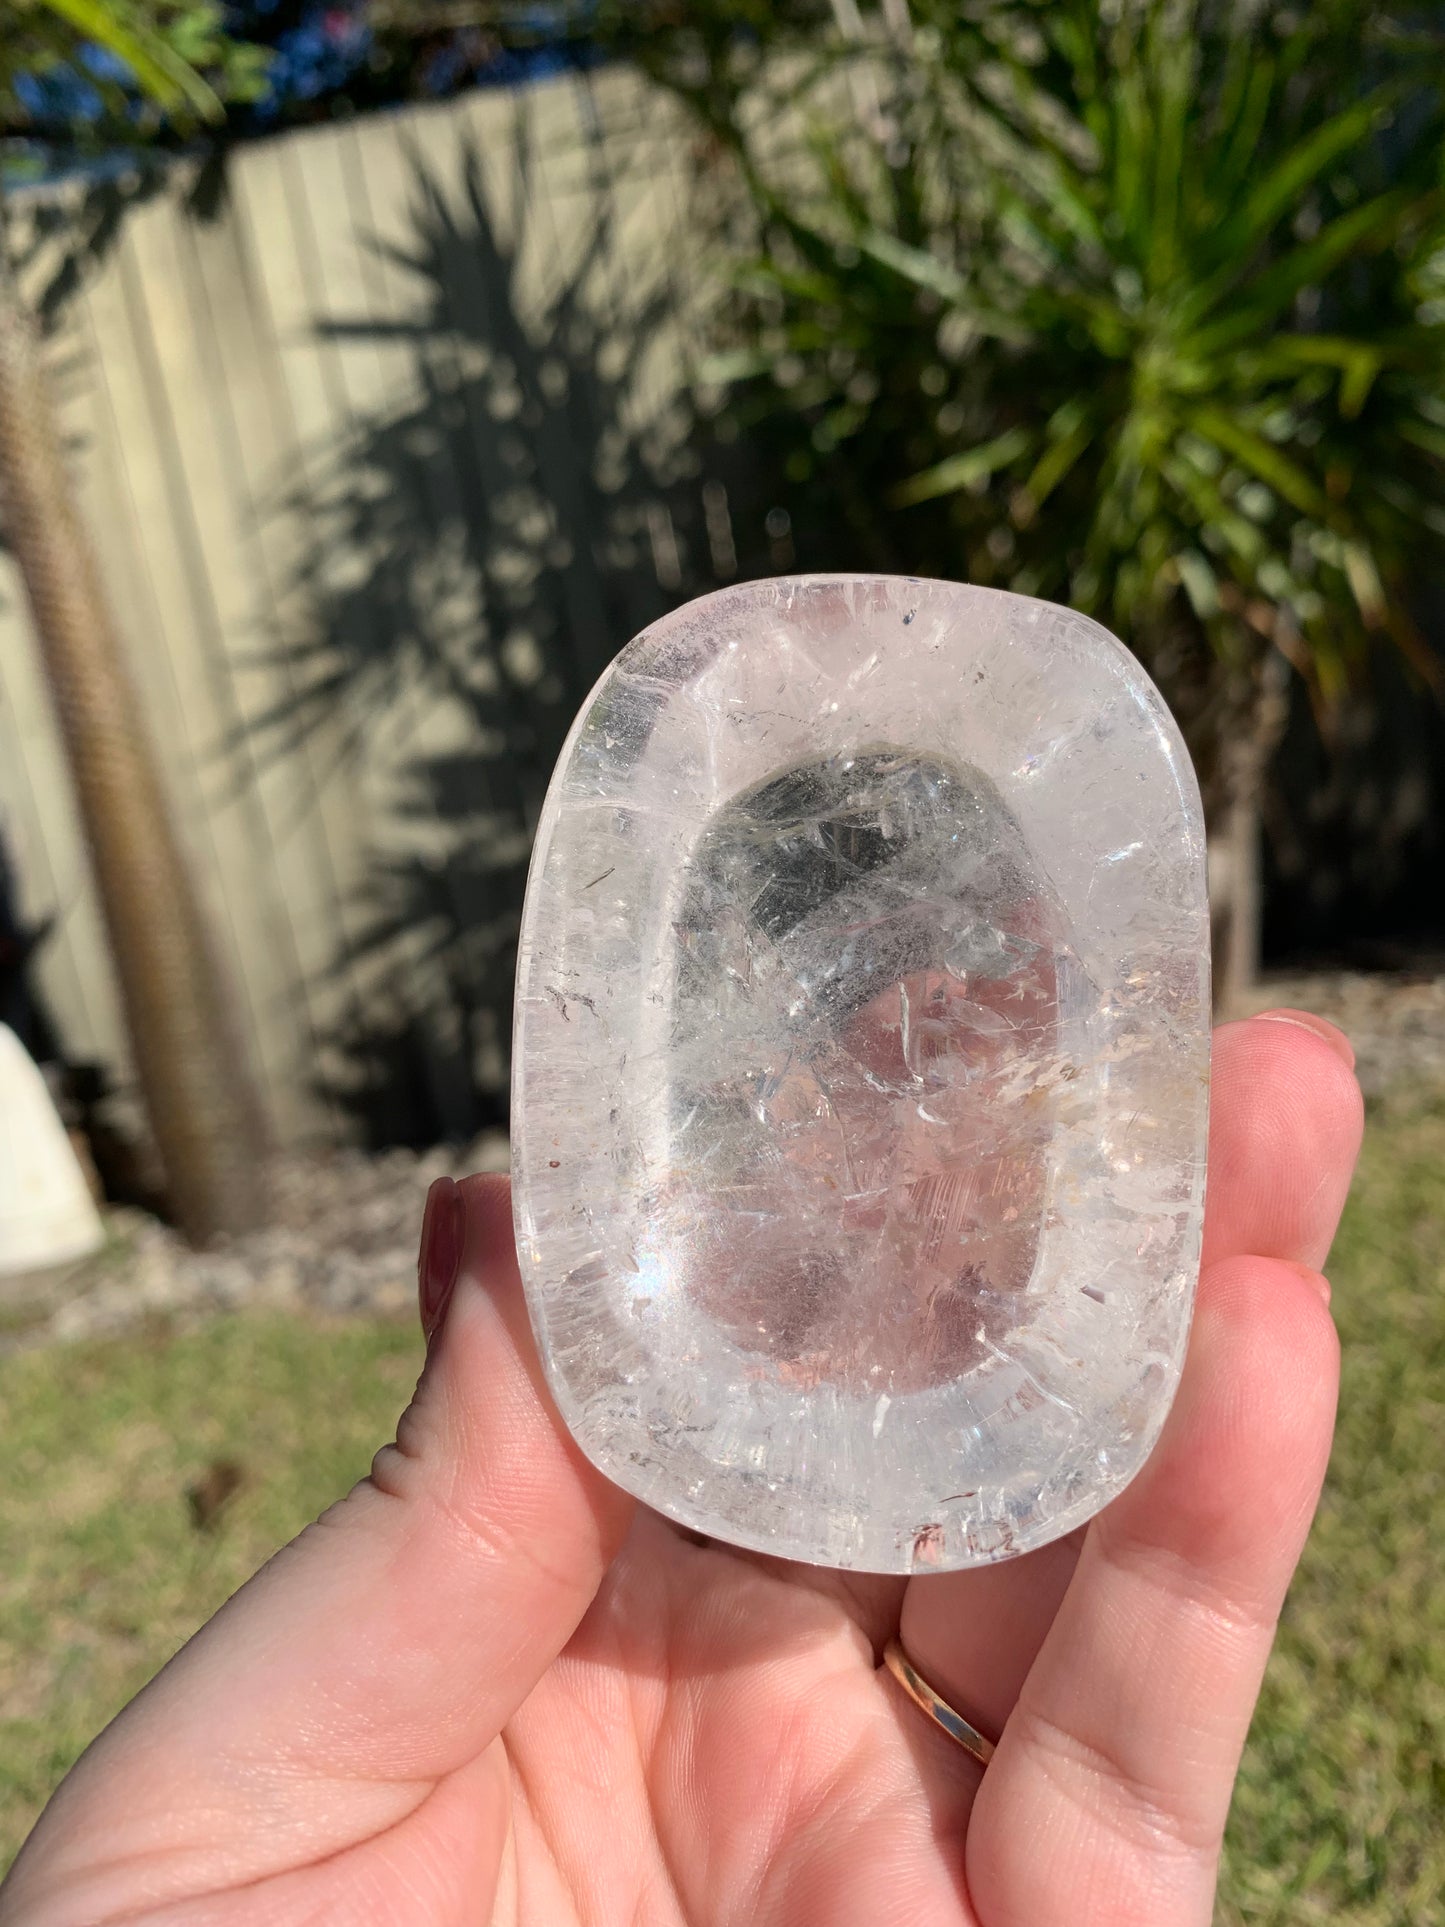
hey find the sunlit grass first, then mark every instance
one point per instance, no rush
(1340, 1812)
(103, 1571)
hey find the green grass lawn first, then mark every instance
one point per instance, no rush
(1340, 1815)
(1340, 1812)
(103, 1572)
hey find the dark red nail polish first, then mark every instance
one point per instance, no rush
(443, 1228)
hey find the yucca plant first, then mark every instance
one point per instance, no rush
(1135, 305)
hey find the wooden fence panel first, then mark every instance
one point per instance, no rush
(382, 458)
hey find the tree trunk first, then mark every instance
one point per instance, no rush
(202, 1107)
(1235, 903)
(1235, 895)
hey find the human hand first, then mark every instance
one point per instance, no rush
(488, 1687)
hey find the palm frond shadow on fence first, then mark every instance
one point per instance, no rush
(479, 550)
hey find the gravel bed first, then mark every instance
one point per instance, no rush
(345, 1235)
(344, 1241)
(1395, 1022)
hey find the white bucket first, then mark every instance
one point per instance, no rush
(47, 1215)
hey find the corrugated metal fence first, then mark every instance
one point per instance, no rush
(385, 453)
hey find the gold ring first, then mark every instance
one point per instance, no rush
(934, 1705)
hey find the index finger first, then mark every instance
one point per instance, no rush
(1282, 1150)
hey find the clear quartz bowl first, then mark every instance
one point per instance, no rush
(861, 1070)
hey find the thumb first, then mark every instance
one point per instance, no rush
(387, 1646)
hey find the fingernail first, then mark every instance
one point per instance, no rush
(443, 1226)
(1306, 1020)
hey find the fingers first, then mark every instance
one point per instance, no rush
(1107, 1798)
(388, 1645)
(974, 1635)
(1284, 1131)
